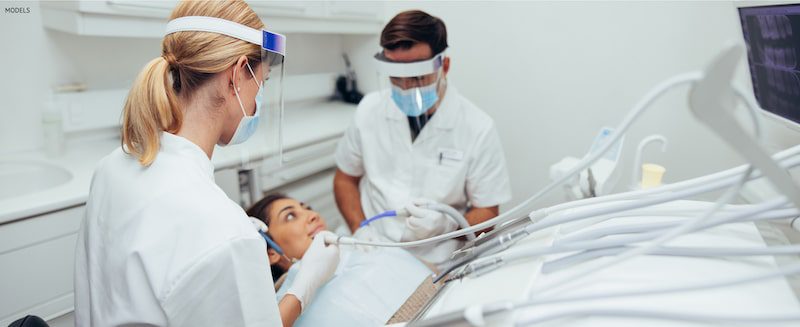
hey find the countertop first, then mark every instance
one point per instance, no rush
(303, 124)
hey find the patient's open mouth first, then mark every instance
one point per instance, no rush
(316, 230)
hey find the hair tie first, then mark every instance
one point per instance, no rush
(170, 58)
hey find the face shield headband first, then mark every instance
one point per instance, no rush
(269, 41)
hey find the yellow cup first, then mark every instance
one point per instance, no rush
(651, 175)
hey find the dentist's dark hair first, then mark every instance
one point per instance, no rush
(188, 60)
(414, 26)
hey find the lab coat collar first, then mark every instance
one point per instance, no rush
(178, 145)
(444, 117)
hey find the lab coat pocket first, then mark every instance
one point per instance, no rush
(446, 181)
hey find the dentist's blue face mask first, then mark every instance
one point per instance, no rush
(415, 101)
(248, 124)
(414, 85)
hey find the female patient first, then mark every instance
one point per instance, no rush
(369, 285)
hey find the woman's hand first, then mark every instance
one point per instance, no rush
(425, 223)
(317, 267)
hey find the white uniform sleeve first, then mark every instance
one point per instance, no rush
(487, 178)
(230, 286)
(348, 153)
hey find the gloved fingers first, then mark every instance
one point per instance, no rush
(450, 224)
(326, 237)
(319, 244)
(431, 226)
(330, 251)
(425, 227)
(318, 266)
(258, 224)
(415, 223)
(418, 212)
(422, 201)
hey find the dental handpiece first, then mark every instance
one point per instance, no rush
(331, 239)
(501, 243)
(262, 229)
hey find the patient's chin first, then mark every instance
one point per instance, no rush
(308, 245)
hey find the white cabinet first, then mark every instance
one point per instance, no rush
(299, 163)
(363, 10)
(297, 9)
(37, 256)
(228, 181)
(135, 18)
(317, 191)
(107, 18)
(307, 175)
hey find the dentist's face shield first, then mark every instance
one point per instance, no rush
(412, 86)
(262, 117)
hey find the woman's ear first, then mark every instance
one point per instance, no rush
(446, 65)
(237, 74)
(273, 256)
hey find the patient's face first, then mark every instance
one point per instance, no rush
(293, 225)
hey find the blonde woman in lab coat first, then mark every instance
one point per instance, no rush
(161, 244)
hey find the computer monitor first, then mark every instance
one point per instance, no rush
(772, 35)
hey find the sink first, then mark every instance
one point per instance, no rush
(25, 177)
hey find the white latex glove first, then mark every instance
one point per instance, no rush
(425, 223)
(259, 225)
(317, 267)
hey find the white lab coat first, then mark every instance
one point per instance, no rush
(457, 159)
(164, 246)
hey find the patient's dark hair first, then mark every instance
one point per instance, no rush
(260, 210)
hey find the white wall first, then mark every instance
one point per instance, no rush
(551, 74)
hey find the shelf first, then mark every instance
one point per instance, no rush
(147, 19)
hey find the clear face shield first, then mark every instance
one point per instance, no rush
(261, 127)
(413, 87)
(273, 56)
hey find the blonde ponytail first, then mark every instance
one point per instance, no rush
(189, 60)
(151, 108)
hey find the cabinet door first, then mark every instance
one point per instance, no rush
(285, 8)
(317, 191)
(298, 164)
(160, 6)
(37, 256)
(358, 10)
(228, 181)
